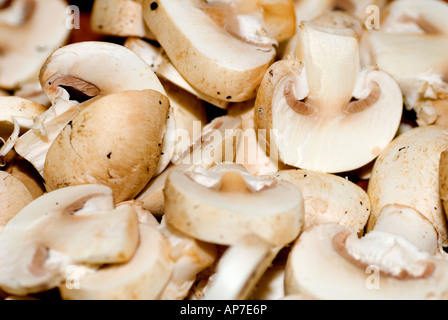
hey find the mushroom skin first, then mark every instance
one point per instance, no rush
(116, 141)
(14, 196)
(407, 173)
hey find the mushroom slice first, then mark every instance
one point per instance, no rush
(310, 107)
(200, 48)
(190, 257)
(330, 262)
(69, 70)
(122, 18)
(417, 151)
(330, 199)
(14, 196)
(69, 226)
(142, 278)
(240, 269)
(409, 224)
(224, 204)
(116, 141)
(28, 36)
(33, 146)
(420, 72)
(24, 171)
(307, 10)
(414, 16)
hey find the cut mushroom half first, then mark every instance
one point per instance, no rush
(240, 269)
(410, 224)
(116, 141)
(418, 152)
(330, 262)
(77, 225)
(330, 199)
(29, 31)
(142, 278)
(195, 39)
(224, 204)
(310, 107)
(121, 18)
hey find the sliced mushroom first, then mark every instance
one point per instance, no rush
(190, 257)
(29, 31)
(330, 199)
(22, 170)
(16, 116)
(240, 269)
(411, 46)
(310, 107)
(279, 17)
(307, 10)
(407, 173)
(116, 141)
(410, 224)
(33, 146)
(122, 18)
(226, 203)
(194, 36)
(142, 278)
(14, 196)
(77, 225)
(330, 262)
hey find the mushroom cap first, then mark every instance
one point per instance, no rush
(223, 206)
(330, 199)
(142, 278)
(200, 49)
(310, 115)
(14, 196)
(329, 262)
(116, 141)
(407, 173)
(26, 44)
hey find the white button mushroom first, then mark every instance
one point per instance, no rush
(310, 106)
(14, 196)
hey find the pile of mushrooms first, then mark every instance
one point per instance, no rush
(224, 150)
